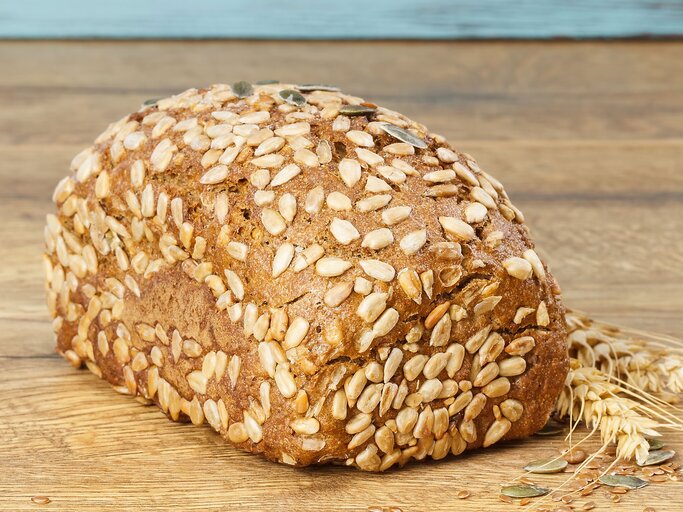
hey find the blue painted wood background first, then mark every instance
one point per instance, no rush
(340, 19)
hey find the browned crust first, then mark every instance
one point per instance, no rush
(173, 299)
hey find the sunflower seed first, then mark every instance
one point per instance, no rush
(306, 157)
(372, 306)
(282, 259)
(385, 323)
(360, 138)
(269, 145)
(512, 366)
(341, 124)
(546, 466)
(373, 203)
(362, 286)
(285, 381)
(531, 256)
(314, 200)
(446, 155)
(308, 256)
(332, 266)
(343, 231)
(370, 158)
(496, 431)
(376, 185)
(395, 215)
(518, 268)
(292, 97)
(324, 152)
(214, 175)
(378, 239)
(497, 387)
(273, 222)
(441, 176)
(457, 228)
(403, 135)
(399, 148)
(285, 174)
(293, 130)
(357, 110)
(512, 409)
(629, 482)
(657, 457)
(524, 491)
(338, 202)
(242, 89)
(475, 212)
(378, 269)
(338, 294)
(305, 426)
(520, 346)
(413, 241)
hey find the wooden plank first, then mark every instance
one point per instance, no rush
(352, 19)
(604, 203)
(70, 437)
(500, 91)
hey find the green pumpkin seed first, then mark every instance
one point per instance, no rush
(267, 82)
(656, 457)
(292, 97)
(357, 110)
(151, 101)
(630, 482)
(524, 491)
(242, 89)
(317, 87)
(551, 428)
(655, 444)
(403, 135)
(546, 466)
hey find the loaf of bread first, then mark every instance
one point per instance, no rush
(318, 278)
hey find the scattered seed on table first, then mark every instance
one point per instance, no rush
(523, 491)
(627, 482)
(655, 457)
(546, 466)
(575, 456)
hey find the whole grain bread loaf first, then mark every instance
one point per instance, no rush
(318, 278)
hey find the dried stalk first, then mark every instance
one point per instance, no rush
(621, 384)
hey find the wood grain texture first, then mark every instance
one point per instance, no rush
(350, 19)
(588, 139)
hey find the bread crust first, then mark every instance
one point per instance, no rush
(268, 352)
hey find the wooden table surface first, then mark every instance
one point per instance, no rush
(587, 137)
